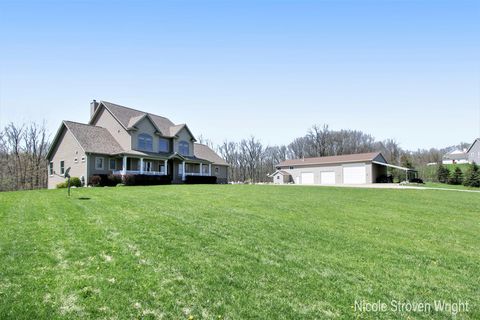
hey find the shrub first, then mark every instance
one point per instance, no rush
(442, 173)
(200, 179)
(148, 180)
(114, 179)
(472, 176)
(456, 177)
(385, 179)
(75, 182)
(95, 181)
(129, 180)
(62, 185)
(417, 180)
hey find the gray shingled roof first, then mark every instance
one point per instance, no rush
(93, 139)
(330, 160)
(128, 117)
(204, 152)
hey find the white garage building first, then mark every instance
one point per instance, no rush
(363, 168)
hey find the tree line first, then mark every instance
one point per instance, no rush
(23, 150)
(252, 161)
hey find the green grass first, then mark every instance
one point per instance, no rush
(235, 252)
(448, 186)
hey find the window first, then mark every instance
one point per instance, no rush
(183, 148)
(75, 160)
(291, 168)
(145, 142)
(278, 177)
(161, 168)
(180, 169)
(216, 169)
(83, 159)
(50, 168)
(99, 163)
(62, 167)
(164, 145)
(113, 164)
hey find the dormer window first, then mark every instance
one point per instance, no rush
(184, 148)
(145, 142)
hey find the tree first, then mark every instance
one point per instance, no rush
(442, 173)
(457, 177)
(472, 176)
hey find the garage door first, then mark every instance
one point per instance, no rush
(307, 178)
(327, 177)
(354, 175)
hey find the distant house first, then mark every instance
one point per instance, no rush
(473, 153)
(364, 168)
(456, 157)
(120, 140)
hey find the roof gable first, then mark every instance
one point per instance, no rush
(204, 152)
(92, 139)
(474, 142)
(360, 157)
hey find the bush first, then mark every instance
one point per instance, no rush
(62, 185)
(95, 181)
(75, 182)
(472, 176)
(442, 173)
(114, 179)
(457, 177)
(200, 179)
(148, 180)
(129, 180)
(417, 180)
(385, 179)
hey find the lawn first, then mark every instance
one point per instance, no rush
(236, 252)
(448, 186)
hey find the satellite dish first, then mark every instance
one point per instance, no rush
(67, 172)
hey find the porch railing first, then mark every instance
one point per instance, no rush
(148, 173)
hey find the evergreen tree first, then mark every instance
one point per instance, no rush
(456, 177)
(442, 173)
(472, 176)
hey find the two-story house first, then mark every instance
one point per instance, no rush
(120, 140)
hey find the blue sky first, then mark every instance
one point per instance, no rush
(408, 70)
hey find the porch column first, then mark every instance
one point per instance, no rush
(209, 169)
(141, 165)
(124, 165)
(201, 169)
(183, 170)
(166, 167)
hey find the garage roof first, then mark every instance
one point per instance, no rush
(359, 157)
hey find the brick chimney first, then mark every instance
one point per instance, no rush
(93, 107)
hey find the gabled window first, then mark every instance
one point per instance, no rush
(99, 165)
(164, 145)
(62, 167)
(145, 142)
(50, 168)
(184, 148)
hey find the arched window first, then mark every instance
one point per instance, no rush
(184, 148)
(145, 142)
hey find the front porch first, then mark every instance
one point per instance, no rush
(176, 167)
